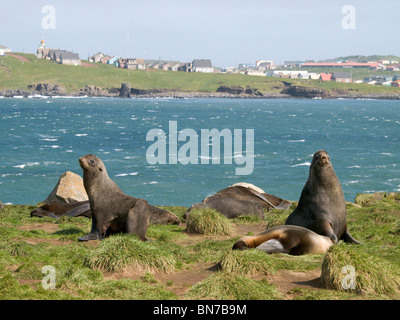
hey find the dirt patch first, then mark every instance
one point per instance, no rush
(88, 65)
(18, 57)
(36, 241)
(47, 227)
(178, 282)
(286, 280)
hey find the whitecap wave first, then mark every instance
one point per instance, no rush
(127, 174)
(29, 164)
(301, 164)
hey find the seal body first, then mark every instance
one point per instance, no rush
(322, 207)
(241, 199)
(293, 240)
(112, 210)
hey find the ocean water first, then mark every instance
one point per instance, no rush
(42, 138)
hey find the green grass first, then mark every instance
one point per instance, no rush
(15, 74)
(83, 269)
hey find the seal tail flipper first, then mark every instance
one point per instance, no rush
(83, 210)
(272, 246)
(346, 237)
(283, 205)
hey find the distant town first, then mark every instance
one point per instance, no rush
(261, 68)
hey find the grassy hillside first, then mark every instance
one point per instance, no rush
(17, 74)
(179, 265)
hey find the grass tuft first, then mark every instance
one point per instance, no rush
(371, 273)
(118, 252)
(208, 222)
(247, 262)
(228, 286)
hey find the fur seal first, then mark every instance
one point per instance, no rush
(294, 240)
(112, 210)
(82, 209)
(57, 209)
(322, 207)
(241, 199)
(1, 205)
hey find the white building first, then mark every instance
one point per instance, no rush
(202, 65)
(3, 50)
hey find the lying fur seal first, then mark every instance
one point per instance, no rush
(241, 199)
(293, 240)
(82, 209)
(322, 207)
(112, 210)
(58, 209)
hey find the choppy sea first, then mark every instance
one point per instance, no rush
(41, 138)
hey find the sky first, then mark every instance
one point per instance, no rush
(228, 32)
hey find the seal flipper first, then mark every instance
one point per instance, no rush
(346, 237)
(272, 246)
(80, 211)
(138, 219)
(283, 205)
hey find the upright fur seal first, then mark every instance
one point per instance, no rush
(322, 207)
(241, 199)
(112, 210)
(293, 240)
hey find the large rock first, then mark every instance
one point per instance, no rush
(69, 189)
(125, 91)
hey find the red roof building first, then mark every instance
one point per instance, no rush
(326, 76)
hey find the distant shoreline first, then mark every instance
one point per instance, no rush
(195, 95)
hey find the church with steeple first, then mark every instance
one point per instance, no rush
(42, 51)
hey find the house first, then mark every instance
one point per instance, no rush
(341, 77)
(134, 63)
(186, 67)
(105, 59)
(121, 63)
(396, 83)
(202, 65)
(156, 65)
(265, 65)
(325, 76)
(4, 50)
(385, 83)
(70, 58)
(55, 54)
(113, 61)
(255, 73)
(393, 68)
(96, 57)
(166, 66)
(175, 67)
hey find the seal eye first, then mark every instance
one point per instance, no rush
(91, 161)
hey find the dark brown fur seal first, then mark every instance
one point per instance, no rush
(241, 199)
(112, 210)
(322, 207)
(294, 240)
(58, 209)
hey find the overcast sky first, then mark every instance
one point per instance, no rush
(228, 32)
